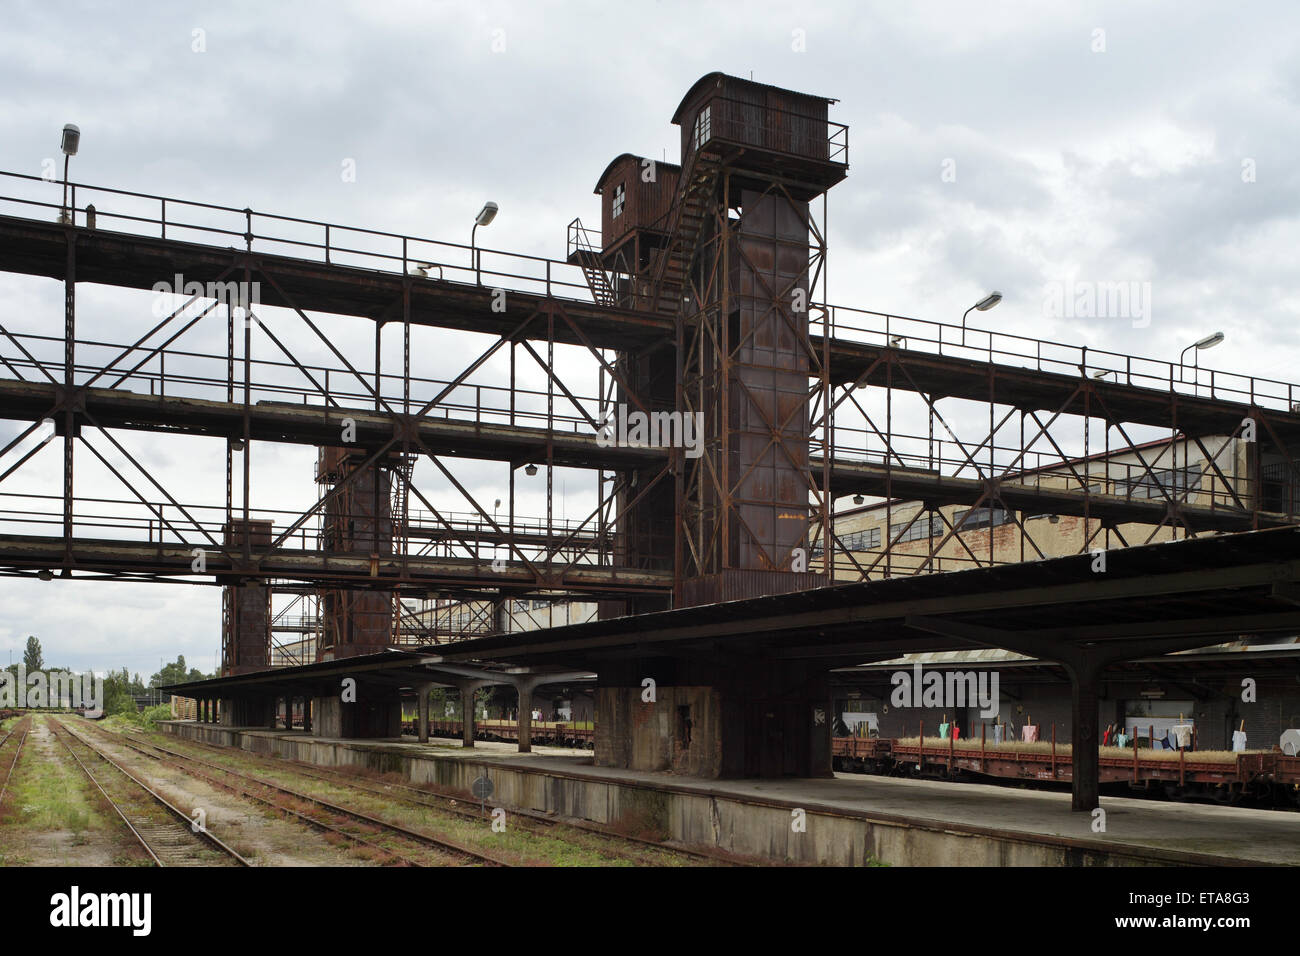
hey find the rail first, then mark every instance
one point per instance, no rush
(882, 330)
(177, 524)
(182, 373)
(392, 251)
(148, 214)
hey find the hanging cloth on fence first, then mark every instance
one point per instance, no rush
(1238, 741)
(943, 731)
(1121, 739)
(1182, 734)
(1029, 733)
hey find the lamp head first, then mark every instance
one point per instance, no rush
(71, 139)
(1210, 341)
(486, 214)
(989, 301)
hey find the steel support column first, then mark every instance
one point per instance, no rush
(1084, 680)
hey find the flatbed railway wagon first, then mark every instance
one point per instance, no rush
(1222, 776)
(556, 734)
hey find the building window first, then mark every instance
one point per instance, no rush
(865, 540)
(620, 197)
(703, 126)
(1174, 482)
(980, 518)
(920, 529)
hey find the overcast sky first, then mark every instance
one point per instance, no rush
(1027, 147)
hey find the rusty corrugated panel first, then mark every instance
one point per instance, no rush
(258, 533)
(357, 520)
(247, 622)
(646, 204)
(737, 585)
(770, 391)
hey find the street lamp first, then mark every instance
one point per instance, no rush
(484, 218)
(71, 140)
(983, 305)
(1209, 342)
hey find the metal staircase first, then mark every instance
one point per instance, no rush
(689, 212)
(583, 251)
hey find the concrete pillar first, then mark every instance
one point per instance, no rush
(525, 717)
(422, 730)
(306, 714)
(1086, 786)
(467, 689)
(270, 713)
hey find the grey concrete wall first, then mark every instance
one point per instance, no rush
(333, 718)
(679, 731)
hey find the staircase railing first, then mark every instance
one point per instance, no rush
(579, 247)
(679, 244)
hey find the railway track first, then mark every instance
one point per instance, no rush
(25, 724)
(248, 786)
(447, 803)
(163, 830)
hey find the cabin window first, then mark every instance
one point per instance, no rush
(620, 197)
(703, 126)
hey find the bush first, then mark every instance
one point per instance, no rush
(150, 716)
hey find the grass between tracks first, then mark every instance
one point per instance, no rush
(517, 844)
(49, 798)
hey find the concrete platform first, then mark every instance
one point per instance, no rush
(850, 818)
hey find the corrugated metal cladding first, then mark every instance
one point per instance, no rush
(246, 618)
(738, 585)
(769, 388)
(357, 520)
(644, 204)
(246, 608)
(753, 114)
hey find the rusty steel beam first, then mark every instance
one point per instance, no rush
(346, 569)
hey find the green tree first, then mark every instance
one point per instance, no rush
(117, 693)
(32, 658)
(173, 673)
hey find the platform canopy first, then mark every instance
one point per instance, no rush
(1118, 605)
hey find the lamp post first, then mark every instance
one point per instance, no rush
(983, 305)
(71, 140)
(1209, 342)
(484, 218)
